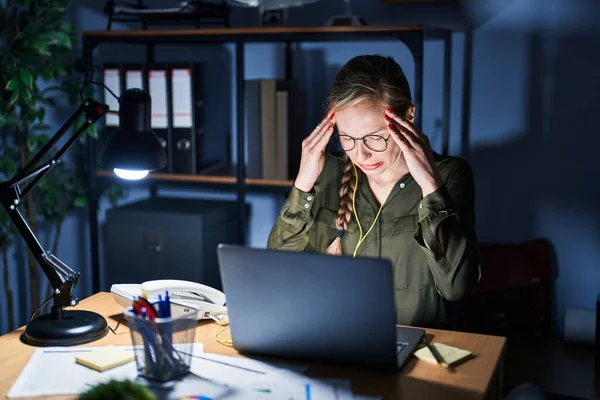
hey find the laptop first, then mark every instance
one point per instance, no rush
(314, 307)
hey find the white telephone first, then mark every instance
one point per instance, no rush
(209, 302)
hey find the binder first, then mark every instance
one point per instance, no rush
(269, 134)
(261, 125)
(186, 106)
(159, 122)
(282, 129)
(111, 77)
(134, 76)
(253, 129)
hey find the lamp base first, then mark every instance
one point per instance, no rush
(65, 328)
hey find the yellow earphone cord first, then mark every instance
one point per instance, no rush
(361, 238)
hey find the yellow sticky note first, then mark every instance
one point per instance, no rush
(450, 354)
(105, 358)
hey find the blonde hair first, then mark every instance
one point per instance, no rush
(372, 78)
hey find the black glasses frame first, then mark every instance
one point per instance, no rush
(339, 136)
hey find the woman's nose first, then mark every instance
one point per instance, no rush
(362, 152)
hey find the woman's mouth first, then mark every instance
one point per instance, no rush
(371, 167)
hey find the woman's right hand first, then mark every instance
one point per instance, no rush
(313, 154)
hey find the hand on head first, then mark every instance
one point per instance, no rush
(313, 154)
(416, 150)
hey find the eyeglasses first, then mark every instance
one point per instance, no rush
(373, 142)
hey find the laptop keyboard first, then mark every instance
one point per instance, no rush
(400, 346)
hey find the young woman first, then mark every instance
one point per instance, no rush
(389, 196)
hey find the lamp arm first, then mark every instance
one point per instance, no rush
(62, 278)
(93, 112)
(23, 175)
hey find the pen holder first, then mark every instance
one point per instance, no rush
(163, 346)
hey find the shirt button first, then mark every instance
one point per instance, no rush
(421, 205)
(306, 205)
(402, 185)
(309, 198)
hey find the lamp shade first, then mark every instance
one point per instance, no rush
(134, 147)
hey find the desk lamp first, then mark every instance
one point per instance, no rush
(131, 152)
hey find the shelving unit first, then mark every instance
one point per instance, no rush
(413, 36)
(225, 180)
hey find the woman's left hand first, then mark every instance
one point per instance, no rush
(416, 150)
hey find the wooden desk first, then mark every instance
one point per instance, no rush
(477, 378)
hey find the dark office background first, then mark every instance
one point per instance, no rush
(531, 134)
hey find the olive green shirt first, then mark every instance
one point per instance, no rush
(430, 241)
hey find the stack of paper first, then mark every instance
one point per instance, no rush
(53, 371)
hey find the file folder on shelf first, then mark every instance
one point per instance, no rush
(112, 79)
(186, 108)
(177, 91)
(134, 76)
(159, 122)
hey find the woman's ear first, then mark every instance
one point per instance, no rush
(410, 114)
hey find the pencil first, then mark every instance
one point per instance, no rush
(438, 357)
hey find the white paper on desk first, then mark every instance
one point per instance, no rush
(189, 385)
(235, 371)
(250, 379)
(287, 384)
(53, 371)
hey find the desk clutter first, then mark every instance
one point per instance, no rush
(164, 358)
(169, 362)
(54, 371)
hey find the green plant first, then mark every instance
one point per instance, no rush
(40, 70)
(118, 390)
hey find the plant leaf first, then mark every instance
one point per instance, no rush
(40, 44)
(63, 39)
(27, 78)
(41, 114)
(81, 201)
(7, 165)
(12, 83)
(93, 131)
(31, 143)
(14, 98)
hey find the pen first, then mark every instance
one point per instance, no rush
(161, 307)
(168, 304)
(438, 357)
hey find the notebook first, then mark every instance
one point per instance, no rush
(450, 354)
